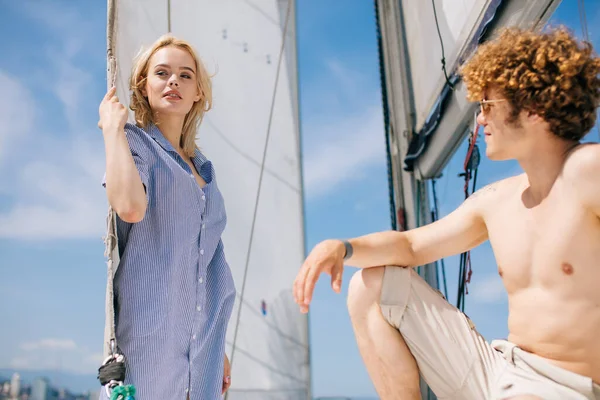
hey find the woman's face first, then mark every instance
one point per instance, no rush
(172, 84)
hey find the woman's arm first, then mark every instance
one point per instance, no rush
(125, 190)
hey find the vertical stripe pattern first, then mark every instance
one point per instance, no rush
(174, 291)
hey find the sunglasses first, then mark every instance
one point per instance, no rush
(486, 105)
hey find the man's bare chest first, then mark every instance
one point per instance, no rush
(543, 245)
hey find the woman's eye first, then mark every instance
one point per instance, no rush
(186, 76)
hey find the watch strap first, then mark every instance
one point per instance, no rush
(349, 249)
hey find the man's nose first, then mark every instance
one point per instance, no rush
(481, 119)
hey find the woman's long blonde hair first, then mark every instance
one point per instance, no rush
(139, 103)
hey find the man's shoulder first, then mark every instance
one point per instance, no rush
(583, 162)
(496, 190)
(581, 174)
(490, 196)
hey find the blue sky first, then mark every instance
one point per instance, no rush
(52, 160)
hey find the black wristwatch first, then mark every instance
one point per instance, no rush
(349, 249)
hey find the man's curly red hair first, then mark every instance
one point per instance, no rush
(550, 74)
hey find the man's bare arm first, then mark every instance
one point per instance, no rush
(461, 230)
(583, 171)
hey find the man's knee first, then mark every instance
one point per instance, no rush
(364, 289)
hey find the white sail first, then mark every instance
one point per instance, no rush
(456, 20)
(240, 41)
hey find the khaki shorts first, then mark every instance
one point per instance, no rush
(456, 361)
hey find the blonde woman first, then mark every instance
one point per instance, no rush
(174, 291)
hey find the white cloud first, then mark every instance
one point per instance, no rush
(346, 138)
(17, 112)
(55, 178)
(351, 83)
(360, 206)
(69, 82)
(70, 86)
(53, 201)
(58, 195)
(59, 19)
(20, 363)
(348, 147)
(52, 170)
(489, 290)
(51, 344)
(52, 353)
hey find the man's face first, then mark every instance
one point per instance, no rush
(503, 134)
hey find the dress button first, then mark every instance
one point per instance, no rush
(198, 308)
(200, 280)
(201, 251)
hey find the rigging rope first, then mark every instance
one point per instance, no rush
(435, 216)
(470, 167)
(111, 373)
(583, 20)
(396, 216)
(260, 179)
(437, 25)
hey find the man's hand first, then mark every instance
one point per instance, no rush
(226, 375)
(328, 257)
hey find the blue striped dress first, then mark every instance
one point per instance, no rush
(174, 291)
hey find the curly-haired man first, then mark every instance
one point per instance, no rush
(538, 94)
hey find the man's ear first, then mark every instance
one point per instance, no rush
(534, 118)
